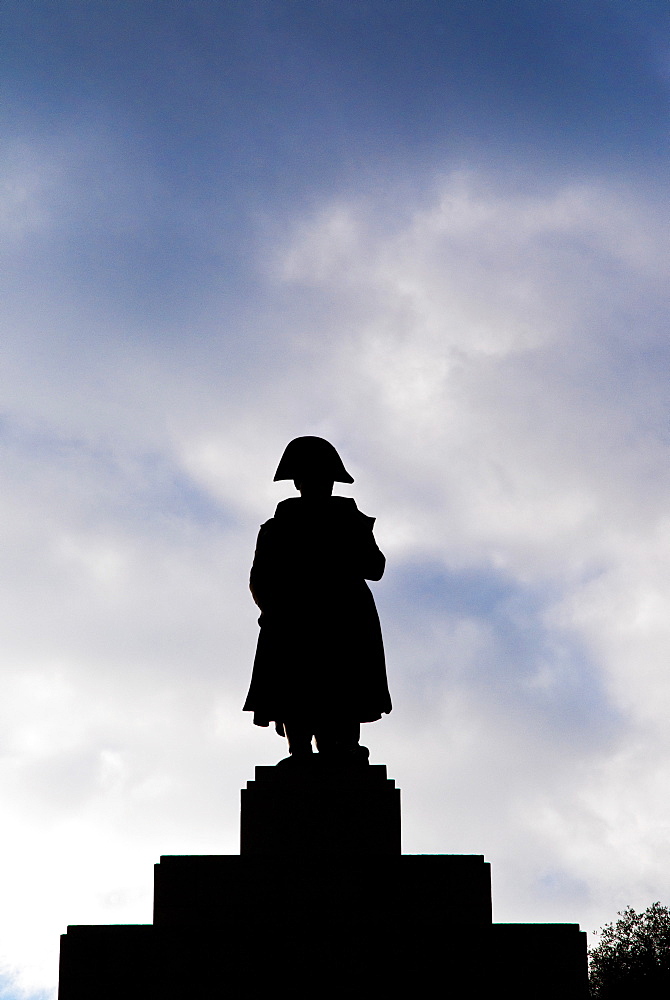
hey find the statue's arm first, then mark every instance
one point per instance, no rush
(373, 560)
(260, 578)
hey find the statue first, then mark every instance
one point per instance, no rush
(319, 669)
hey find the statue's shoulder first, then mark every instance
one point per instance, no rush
(337, 509)
(265, 530)
(287, 508)
(344, 505)
(345, 508)
(294, 506)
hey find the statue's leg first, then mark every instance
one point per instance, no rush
(339, 738)
(299, 736)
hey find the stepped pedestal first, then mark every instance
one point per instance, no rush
(320, 811)
(320, 900)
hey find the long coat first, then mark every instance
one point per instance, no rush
(320, 651)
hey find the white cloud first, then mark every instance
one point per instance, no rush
(492, 367)
(497, 366)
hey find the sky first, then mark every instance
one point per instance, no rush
(435, 234)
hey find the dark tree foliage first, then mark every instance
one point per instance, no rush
(632, 959)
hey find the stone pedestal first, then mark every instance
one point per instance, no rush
(437, 890)
(320, 811)
(320, 901)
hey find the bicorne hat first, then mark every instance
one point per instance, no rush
(311, 456)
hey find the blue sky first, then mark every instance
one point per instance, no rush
(435, 234)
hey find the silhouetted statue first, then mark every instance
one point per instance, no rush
(319, 668)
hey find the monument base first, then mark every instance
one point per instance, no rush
(320, 810)
(351, 920)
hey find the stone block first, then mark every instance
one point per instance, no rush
(320, 900)
(540, 960)
(437, 890)
(320, 812)
(107, 962)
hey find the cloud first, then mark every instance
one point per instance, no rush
(492, 366)
(496, 366)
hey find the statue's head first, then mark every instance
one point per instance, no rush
(310, 457)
